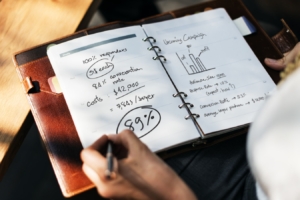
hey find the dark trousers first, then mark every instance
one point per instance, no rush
(217, 172)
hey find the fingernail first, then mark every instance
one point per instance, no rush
(270, 60)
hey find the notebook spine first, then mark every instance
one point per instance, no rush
(186, 105)
(149, 39)
(182, 95)
(194, 115)
(154, 48)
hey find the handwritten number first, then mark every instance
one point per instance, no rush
(124, 104)
(119, 106)
(122, 89)
(96, 86)
(138, 120)
(130, 125)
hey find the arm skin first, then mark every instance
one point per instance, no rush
(138, 173)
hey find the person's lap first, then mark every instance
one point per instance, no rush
(217, 172)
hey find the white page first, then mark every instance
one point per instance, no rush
(210, 61)
(106, 91)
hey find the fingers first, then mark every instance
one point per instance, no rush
(91, 174)
(94, 161)
(100, 144)
(105, 186)
(126, 143)
(281, 63)
(275, 64)
(128, 140)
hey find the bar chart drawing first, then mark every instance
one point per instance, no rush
(192, 64)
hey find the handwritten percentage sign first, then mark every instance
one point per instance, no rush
(149, 117)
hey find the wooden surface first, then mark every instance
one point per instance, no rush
(24, 24)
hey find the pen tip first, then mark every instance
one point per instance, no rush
(107, 174)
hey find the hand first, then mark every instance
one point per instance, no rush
(280, 64)
(138, 173)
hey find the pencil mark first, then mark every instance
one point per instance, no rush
(141, 120)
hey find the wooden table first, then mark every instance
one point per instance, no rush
(24, 24)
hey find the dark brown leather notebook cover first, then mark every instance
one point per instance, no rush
(51, 113)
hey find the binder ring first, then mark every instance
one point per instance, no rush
(148, 38)
(158, 57)
(194, 115)
(188, 104)
(184, 94)
(154, 47)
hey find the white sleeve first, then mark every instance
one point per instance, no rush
(260, 193)
(273, 145)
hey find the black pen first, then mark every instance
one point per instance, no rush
(109, 158)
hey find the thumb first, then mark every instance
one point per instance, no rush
(288, 57)
(276, 64)
(95, 166)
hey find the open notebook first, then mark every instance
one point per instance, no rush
(207, 82)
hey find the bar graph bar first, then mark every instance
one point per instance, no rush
(192, 65)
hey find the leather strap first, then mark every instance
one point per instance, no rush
(27, 84)
(285, 40)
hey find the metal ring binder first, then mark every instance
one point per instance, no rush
(158, 57)
(188, 104)
(184, 94)
(154, 47)
(148, 38)
(194, 115)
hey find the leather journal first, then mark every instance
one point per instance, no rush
(53, 118)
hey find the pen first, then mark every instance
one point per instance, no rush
(109, 158)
